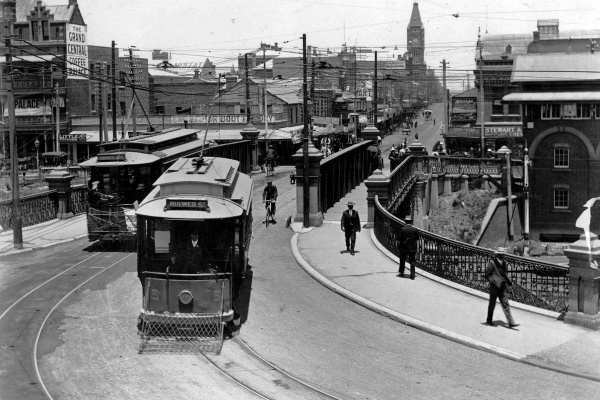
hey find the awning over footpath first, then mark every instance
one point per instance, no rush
(553, 96)
(82, 137)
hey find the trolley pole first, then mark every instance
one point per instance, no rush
(17, 224)
(305, 177)
(114, 89)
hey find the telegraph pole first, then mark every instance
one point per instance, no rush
(481, 92)
(17, 224)
(305, 177)
(132, 81)
(444, 63)
(100, 104)
(114, 89)
(247, 89)
(57, 103)
(103, 69)
(375, 94)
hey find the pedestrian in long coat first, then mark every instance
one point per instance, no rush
(499, 283)
(350, 224)
(409, 236)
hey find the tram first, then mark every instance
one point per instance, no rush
(194, 232)
(122, 173)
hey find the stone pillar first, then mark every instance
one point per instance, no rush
(418, 150)
(377, 185)
(584, 283)
(417, 212)
(251, 133)
(61, 182)
(433, 199)
(315, 216)
(464, 183)
(371, 133)
(447, 185)
(485, 183)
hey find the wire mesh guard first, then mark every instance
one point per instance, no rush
(181, 333)
(114, 221)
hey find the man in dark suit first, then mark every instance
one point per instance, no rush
(408, 248)
(350, 224)
(499, 281)
(189, 259)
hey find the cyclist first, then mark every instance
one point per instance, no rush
(270, 193)
(271, 157)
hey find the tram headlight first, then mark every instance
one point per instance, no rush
(185, 297)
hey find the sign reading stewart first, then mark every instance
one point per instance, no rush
(504, 131)
(77, 52)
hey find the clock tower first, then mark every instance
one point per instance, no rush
(415, 38)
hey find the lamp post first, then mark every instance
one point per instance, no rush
(509, 207)
(37, 157)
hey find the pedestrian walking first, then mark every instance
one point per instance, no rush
(408, 248)
(350, 224)
(434, 121)
(499, 284)
(416, 124)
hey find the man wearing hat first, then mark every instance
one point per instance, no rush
(350, 224)
(94, 195)
(499, 281)
(408, 247)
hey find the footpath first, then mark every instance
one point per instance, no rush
(369, 278)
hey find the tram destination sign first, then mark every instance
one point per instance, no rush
(111, 157)
(187, 204)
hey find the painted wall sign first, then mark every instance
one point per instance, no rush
(77, 52)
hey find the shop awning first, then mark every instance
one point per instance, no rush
(553, 96)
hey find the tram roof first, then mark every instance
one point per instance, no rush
(218, 208)
(213, 170)
(113, 159)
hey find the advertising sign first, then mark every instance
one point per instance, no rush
(395, 64)
(77, 52)
(463, 106)
(495, 132)
(160, 55)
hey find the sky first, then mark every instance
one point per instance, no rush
(193, 30)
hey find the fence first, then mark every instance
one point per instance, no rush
(342, 172)
(35, 209)
(463, 165)
(240, 151)
(539, 284)
(401, 180)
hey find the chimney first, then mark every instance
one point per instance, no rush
(196, 74)
(72, 2)
(536, 36)
(230, 80)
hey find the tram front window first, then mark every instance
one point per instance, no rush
(188, 247)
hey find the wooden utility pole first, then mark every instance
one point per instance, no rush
(375, 94)
(247, 89)
(481, 93)
(306, 176)
(114, 89)
(17, 225)
(444, 63)
(132, 82)
(103, 69)
(57, 104)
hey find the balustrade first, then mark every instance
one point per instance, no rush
(539, 284)
(35, 209)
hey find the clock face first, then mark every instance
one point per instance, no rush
(415, 40)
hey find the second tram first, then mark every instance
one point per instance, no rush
(193, 233)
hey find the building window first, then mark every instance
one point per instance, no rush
(123, 107)
(109, 102)
(561, 198)
(551, 111)
(160, 109)
(34, 31)
(561, 157)
(45, 31)
(59, 32)
(93, 103)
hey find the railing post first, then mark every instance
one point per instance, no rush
(417, 211)
(464, 183)
(377, 185)
(447, 185)
(315, 216)
(251, 133)
(433, 199)
(61, 182)
(485, 183)
(584, 282)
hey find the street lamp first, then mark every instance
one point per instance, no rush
(37, 152)
(507, 152)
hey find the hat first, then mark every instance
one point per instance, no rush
(500, 250)
(95, 184)
(350, 203)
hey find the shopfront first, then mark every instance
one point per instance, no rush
(495, 135)
(80, 145)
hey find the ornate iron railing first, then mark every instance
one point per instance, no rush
(539, 284)
(78, 199)
(35, 209)
(401, 180)
(241, 151)
(342, 172)
(463, 165)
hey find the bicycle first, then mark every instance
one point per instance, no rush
(270, 215)
(270, 167)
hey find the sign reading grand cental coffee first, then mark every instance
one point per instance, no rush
(77, 52)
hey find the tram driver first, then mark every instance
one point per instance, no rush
(189, 260)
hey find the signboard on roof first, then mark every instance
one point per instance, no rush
(397, 64)
(496, 132)
(463, 106)
(77, 52)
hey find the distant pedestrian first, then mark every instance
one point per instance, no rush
(350, 224)
(434, 121)
(408, 248)
(416, 124)
(499, 281)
